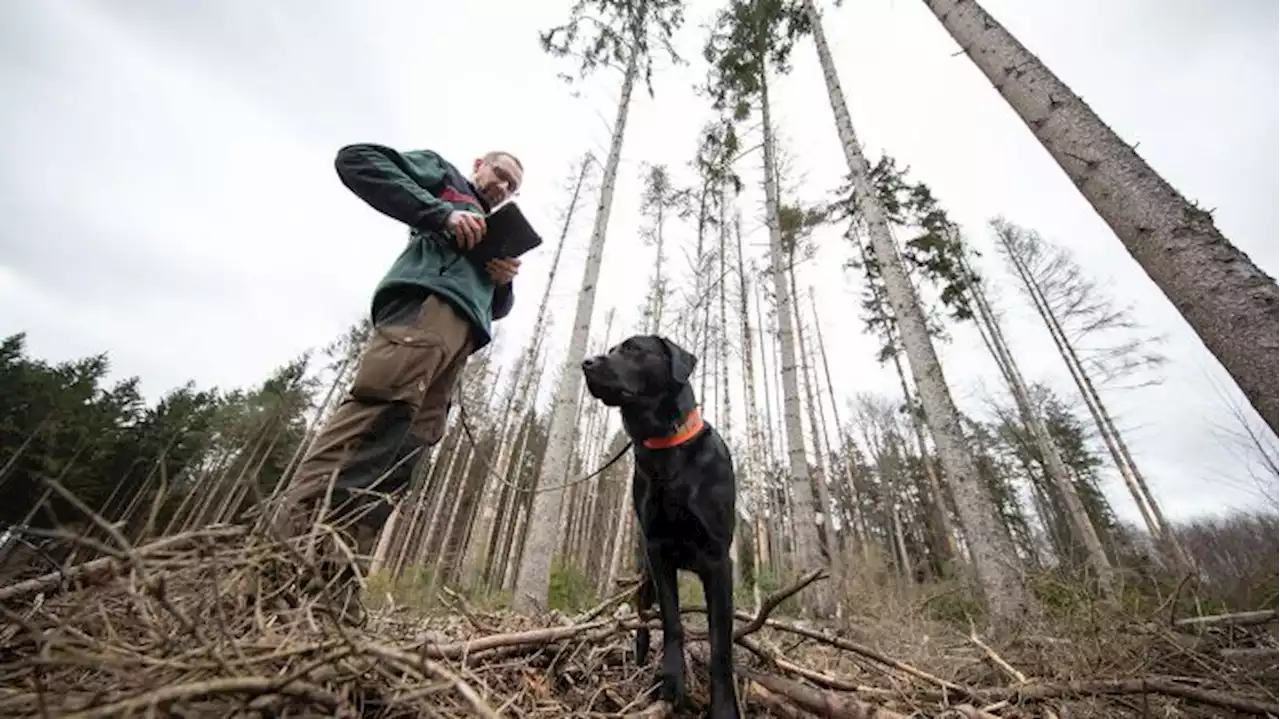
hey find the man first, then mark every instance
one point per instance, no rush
(431, 310)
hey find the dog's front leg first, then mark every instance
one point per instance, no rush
(643, 602)
(717, 588)
(671, 670)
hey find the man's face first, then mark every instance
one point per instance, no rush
(497, 179)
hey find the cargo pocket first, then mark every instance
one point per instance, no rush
(397, 365)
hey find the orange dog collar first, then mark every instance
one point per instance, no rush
(687, 430)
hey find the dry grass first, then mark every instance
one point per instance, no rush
(220, 623)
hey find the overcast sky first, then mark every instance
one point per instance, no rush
(168, 192)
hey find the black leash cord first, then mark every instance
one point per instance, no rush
(466, 429)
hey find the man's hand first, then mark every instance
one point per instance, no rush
(504, 270)
(467, 228)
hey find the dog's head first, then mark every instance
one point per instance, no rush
(643, 370)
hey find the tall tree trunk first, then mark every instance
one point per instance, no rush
(700, 285)
(498, 495)
(821, 431)
(855, 509)
(806, 540)
(995, 558)
(1085, 533)
(1116, 446)
(534, 575)
(502, 540)
(939, 509)
(724, 409)
(754, 473)
(769, 440)
(827, 521)
(1230, 303)
(618, 547)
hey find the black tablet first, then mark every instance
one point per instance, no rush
(507, 234)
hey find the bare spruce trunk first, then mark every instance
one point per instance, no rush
(700, 285)
(1142, 497)
(995, 559)
(754, 469)
(525, 383)
(1229, 302)
(828, 454)
(939, 508)
(769, 423)
(445, 523)
(807, 554)
(625, 513)
(534, 575)
(858, 532)
(724, 410)
(1082, 527)
(819, 447)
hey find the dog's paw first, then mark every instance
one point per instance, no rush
(725, 711)
(671, 689)
(724, 703)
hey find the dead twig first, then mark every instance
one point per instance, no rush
(1139, 685)
(212, 687)
(609, 603)
(822, 703)
(1237, 619)
(868, 652)
(656, 710)
(1003, 665)
(772, 601)
(453, 599)
(104, 569)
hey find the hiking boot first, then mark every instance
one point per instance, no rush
(334, 587)
(343, 569)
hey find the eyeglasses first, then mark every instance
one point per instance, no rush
(513, 187)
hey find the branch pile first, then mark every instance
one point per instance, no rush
(217, 623)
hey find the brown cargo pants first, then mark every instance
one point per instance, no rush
(394, 412)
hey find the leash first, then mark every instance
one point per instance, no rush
(488, 466)
(489, 470)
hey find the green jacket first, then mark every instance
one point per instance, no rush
(420, 189)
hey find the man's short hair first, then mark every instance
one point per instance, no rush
(491, 156)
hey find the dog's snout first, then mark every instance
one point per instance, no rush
(590, 362)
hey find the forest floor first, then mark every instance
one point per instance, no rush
(212, 623)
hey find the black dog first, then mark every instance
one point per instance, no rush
(685, 497)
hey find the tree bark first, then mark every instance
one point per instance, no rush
(534, 575)
(1230, 303)
(801, 503)
(1147, 505)
(995, 559)
(1085, 533)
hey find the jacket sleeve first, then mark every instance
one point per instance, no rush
(504, 298)
(395, 183)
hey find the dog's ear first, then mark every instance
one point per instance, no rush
(682, 362)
